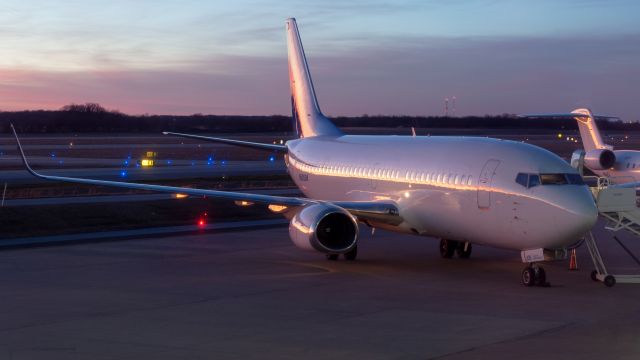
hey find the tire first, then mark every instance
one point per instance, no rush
(540, 277)
(594, 275)
(462, 254)
(351, 255)
(528, 277)
(447, 248)
(609, 280)
(332, 257)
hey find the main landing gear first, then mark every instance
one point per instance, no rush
(349, 256)
(534, 274)
(449, 247)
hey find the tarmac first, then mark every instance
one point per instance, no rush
(251, 294)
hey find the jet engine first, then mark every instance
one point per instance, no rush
(323, 227)
(599, 159)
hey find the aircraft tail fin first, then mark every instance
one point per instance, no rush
(309, 120)
(589, 132)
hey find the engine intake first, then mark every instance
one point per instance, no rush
(599, 159)
(326, 228)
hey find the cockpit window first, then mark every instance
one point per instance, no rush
(534, 180)
(531, 180)
(553, 179)
(528, 180)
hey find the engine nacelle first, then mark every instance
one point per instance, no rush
(326, 228)
(599, 159)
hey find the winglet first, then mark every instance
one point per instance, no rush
(24, 158)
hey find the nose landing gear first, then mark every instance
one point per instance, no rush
(534, 274)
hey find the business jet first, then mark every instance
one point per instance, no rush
(621, 167)
(462, 190)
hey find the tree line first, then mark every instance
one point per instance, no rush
(93, 118)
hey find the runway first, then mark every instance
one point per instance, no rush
(252, 294)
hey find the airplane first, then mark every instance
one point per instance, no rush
(621, 167)
(462, 190)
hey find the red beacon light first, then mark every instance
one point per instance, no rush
(203, 220)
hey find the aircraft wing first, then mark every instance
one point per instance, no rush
(254, 145)
(379, 212)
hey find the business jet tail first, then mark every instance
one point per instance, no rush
(308, 119)
(591, 138)
(589, 132)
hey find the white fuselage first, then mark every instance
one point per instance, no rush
(626, 168)
(458, 188)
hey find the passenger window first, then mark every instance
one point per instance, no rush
(439, 178)
(470, 180)
(457, 180)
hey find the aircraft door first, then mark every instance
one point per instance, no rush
(484, 183)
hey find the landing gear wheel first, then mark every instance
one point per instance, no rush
(332, 257)
(534, 275)
(609, 280)
(528, 276)
(447, 248)
(540, 276)
(351, 255)
(463, 250)
(594, 275)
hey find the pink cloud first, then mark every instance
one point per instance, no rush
(397, 76)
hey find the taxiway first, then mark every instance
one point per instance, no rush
(252, 294)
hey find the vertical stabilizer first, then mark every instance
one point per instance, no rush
(589, 132)
(308, 118)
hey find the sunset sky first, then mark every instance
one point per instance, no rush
(374, 57)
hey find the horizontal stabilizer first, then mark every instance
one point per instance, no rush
(261, 146)
(565, 116)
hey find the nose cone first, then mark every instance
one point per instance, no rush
(576, 216)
